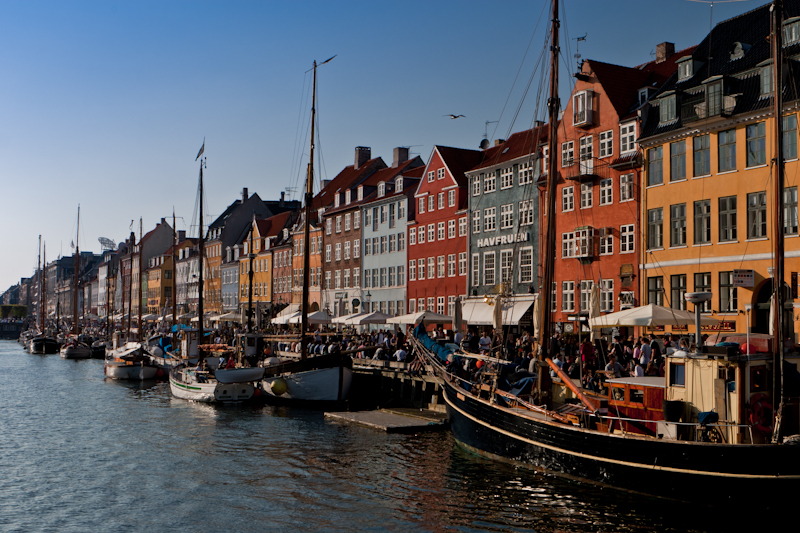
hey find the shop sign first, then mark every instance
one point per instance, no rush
(724, 325)
(743, 278)
(504, 239)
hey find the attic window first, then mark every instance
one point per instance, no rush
(739, 50)
(643, 94)
(360, 192)
(347, 197)
(381, 190)
(336, 200)
(685, 68)
(767, 82)
(666, 108)
(791, 31)
(398, 183)
(506, 150)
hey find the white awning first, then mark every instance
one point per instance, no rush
(284, 319)
(288, 311)
(477, 312)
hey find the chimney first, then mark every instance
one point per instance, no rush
(245, 195)
(664, 51)
(363, 154)
(163, 220)
(324, 183)
(181, 235)
(400, 156)
(283, 196)
(498, 142)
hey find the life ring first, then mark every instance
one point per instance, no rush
(761, 413)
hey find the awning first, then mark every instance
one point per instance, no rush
(344, 318)
(288, 311)
(284, 319)
(477, 312)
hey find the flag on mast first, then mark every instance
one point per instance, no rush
(202, 149)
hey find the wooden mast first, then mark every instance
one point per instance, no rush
(201, 265)
(130, 285)
(251, 256)
(139, 326)
(779, 295)
(41, 278)
(76, 267)
(174, 297)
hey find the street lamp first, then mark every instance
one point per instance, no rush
(697, 298)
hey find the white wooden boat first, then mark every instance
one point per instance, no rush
(201, 386)
(130, 361)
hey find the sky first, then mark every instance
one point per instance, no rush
(105, 104)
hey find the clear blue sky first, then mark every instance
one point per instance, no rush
(105, 104)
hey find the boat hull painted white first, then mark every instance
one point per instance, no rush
(238, 375)
(212, 391)
(320, 385)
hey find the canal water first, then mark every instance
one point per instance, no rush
(81, 453)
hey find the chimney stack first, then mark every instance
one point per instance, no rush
(363, 154)
(498, 142)
(181, 235)
(664, 51)
(400, 156)
(163, 220)
(245, 196)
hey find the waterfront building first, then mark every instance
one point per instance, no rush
(337, 204)
(187, 271)
(437, 236)
(315, 262)
(707, 200)
(597, 213)
(504, 230)
(387, 204)
(281, 248)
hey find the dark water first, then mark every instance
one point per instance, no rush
(79, 453)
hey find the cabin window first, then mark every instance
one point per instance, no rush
(677, 375)
(759, 378)
(618, 393)
(636, 396)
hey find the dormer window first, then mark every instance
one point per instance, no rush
(791, 31)
(398, 183)
(336, 200)
(666, 108)
(360, 192)
(766, 83)
(347, 197)
(582, 108)
(739, 50)
(685, 68)
(381, 190)
(644, 94)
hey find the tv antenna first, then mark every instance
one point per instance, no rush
(106, 243)
(578, 51)
(485, 142)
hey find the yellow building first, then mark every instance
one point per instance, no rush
(707, 190)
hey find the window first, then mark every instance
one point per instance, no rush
(392, 243)
(790, 211)
(489, 183)
(606, 242)
(462, 263)
(347, 279)
(584, 242)
(568, 296)
(347, 250)
(356, 277)
(327, 253)
(440, 231)
(525, 173)
(526, 212)
(791, 32)
(790, 137)
(451, 265)
(431, 232)
(339, 224)
(356, 248)
(328, 225)
(451, 305)
(586, 195)
(545, 158)
(756, 215)
(488, 268)
(451, 198)
(431, 267)
(767, 81)
(606, 143)
(375, 279)
(586, 152)
(421, 305)
(586, 294)
(391, 215)
(727, 219)
(568, 198)
(384, 215)
(392, 277)
(462, 227)
(702, 221)
(412, 305)
(506, 178)
(337, 276)
(384, 243)
(431, 176)
(677, 374)
(507, 216)
(582, 108)
(554, 297)
(476, 221)
(451, 229)
(702, 283)
(440, 173)
(655, 171)
(347, 222)
(401, 275)
(338, 252)
(489, 216)
(420, 234)
(714, 99)
(368, 246)
(685, 70)
(401, 242)
(476, 186)
(727, 293)
(439, 304)
(756, 144)
(384, 280)
(412, 270)
(440, 266)
(677, 225)
(421, 268)
(702, 155)
(567, 153)
(506, 265)
(655, 221)
(431, 203)
(567, 245)
(606, 191)
(727, 150)
(357, 220)
(655, 290)
(421, 205)
(626, 188)
(412, 236)
(607, 295)
(677, 161)
(401, 210)
(627, 138)
(476, 270)
(441, 200)
(677, 284)
(666, 107)
(526, 265)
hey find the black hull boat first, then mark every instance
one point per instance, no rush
(44, 346)
(680, 470)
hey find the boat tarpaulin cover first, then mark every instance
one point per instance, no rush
(434, 347)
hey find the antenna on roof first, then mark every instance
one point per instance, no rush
(577, 55)
(291, 191)
(485, 142)
(711, 13)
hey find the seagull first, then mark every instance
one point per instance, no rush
(454, 116)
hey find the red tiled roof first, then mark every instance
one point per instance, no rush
(459, 161)
(387, 174)
(348, 177)
(417, 172)
(517, 145)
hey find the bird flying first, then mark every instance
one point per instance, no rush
(454, 116)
